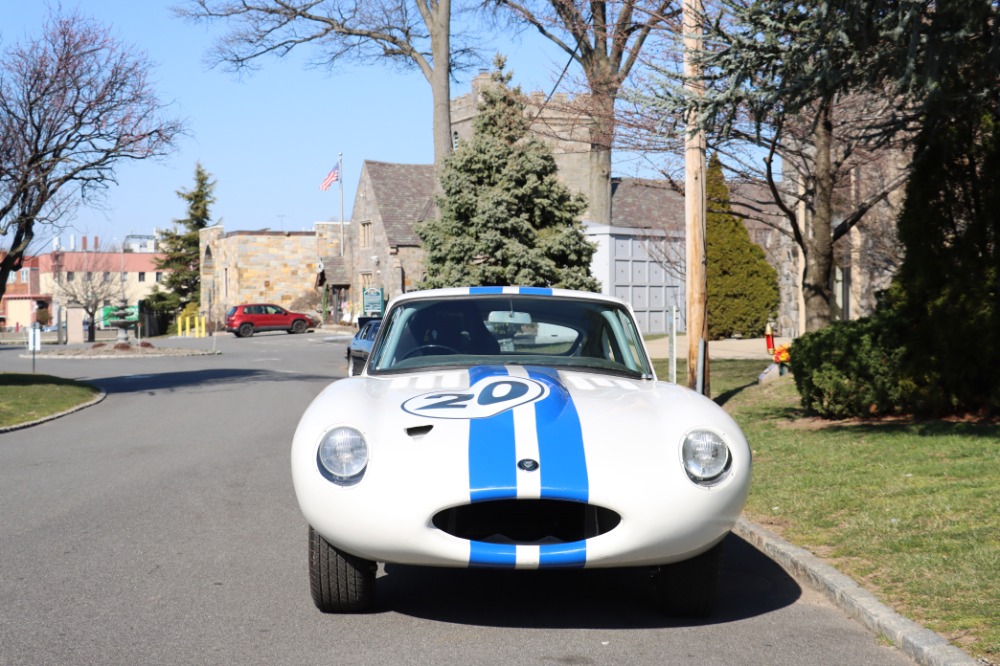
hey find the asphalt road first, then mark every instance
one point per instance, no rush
(160, 527)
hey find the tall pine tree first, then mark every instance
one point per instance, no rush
(181, 262)
(505, 218)
(742, 286)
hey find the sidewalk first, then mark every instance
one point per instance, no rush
(753, 349)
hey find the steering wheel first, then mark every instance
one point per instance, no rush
(422, 348)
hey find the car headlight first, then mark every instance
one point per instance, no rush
(343, 456)
(706, 456)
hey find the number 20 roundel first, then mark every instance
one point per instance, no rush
(486, 398)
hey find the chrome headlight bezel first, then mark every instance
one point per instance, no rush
(706, 456)
(343, 455)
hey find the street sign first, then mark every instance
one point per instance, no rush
(373, 300)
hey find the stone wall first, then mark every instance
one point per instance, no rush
(255, 266)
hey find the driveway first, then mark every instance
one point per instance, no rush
(160, 527)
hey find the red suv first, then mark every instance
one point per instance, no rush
(245, 320)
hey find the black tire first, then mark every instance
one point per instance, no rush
(245, 331)
(298, 326)
(339, 582)
(690, 588)
(351, 366)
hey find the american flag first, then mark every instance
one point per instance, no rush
(331, 178)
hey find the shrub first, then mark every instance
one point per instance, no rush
(123, 346)
(146, 345)
(851, 369)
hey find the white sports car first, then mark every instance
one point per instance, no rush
(522, 428)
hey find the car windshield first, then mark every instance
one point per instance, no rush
(510, 330)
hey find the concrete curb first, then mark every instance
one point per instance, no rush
(923, 645)
(51, 417)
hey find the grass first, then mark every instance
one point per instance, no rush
(25, 398)
(909, 509)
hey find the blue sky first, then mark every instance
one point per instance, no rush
(268, 138)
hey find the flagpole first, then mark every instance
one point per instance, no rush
(340, 171)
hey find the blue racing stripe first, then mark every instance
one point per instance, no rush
(493, 555)
(485, 290)
(492, 456)
(534, 291)
(566, 555)
(563, 461)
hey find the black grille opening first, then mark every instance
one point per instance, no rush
(527, 521)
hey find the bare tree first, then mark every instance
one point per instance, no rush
(405, 33)
(73, 104)
(95, 282)
(605, 38)
(812, 176)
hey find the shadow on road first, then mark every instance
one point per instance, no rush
(584, 599)
(205, 378)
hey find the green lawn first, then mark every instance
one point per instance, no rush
(911, 510)
(26, 398)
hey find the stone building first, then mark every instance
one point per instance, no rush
(261, 266)
(383, 244)
(557, 121)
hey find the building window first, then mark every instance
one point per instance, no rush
(366, 234)
(158, 277)
(366, 281)
(24, 274)
(69, 276)
(124, 276)
(142, 276)
(107, 276)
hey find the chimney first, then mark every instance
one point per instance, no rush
(72, 243)
(97, 242)
(83, 243)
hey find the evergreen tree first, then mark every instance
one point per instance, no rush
(181, 261)
(505, 219)
(950, 278)
(742, 286)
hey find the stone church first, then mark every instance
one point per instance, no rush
(639, 257)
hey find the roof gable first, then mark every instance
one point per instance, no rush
(404, 195)
(646, 204)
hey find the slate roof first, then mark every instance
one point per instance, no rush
(646, 204)
(404, 194)
(334, 272)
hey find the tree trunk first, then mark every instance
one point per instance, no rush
(601, 135)
(599, 197)
(819, 238)
(440, 28)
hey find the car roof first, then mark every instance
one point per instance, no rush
(458, 292)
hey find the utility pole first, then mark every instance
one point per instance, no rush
(696, 283)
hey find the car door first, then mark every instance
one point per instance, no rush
(275, 318)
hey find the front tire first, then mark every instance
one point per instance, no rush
(298, 326)
(339, 582)
(245, 331)
(690, 588)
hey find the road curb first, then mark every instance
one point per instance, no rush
(52, 417)
(923, 645)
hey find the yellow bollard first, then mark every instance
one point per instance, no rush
(201, 326)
